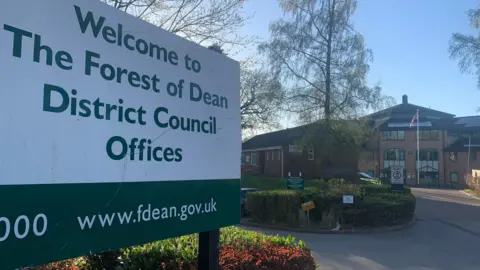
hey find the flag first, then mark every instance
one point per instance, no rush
(415, 117)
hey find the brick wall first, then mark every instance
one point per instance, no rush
(460, 167)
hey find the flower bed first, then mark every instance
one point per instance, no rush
(240, 249)
(374, 206)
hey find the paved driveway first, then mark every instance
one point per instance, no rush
(446, 236)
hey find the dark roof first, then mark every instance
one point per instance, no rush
(461, 145)
(276, 138)
(405, 110)
(464, 124)
(285, 136)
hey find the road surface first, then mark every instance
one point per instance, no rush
(446, 236)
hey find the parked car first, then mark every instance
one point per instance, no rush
(243, 198)
(365, 175)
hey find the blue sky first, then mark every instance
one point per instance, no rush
(409, 39)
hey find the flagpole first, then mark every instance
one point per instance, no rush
(469, 145)
(418, 151)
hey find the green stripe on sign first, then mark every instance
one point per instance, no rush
(44, 223)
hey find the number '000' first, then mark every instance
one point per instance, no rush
(21, 226)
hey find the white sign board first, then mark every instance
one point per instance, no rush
(397, 175)
(96, 95)
(113, 131)
(347, 199)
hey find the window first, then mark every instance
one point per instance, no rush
(311, 154)
(254, 158)
(242, 158)
(428, 155)
(393, 157)
(454, 177)
(247, 158)
(394, 154)
(452, 156)
(428, 135)
(428, 162)
(473, 156)
(394, 135)
(294, 149)
(268, 155)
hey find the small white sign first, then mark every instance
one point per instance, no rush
(347, 199)
(397, 175)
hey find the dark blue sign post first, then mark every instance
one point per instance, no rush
(296, 183)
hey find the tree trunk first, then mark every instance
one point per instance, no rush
(328, 81)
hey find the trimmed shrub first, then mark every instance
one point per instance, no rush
(372, 189)
(336, 181)
(385, 209)
(240, 249)
(329, 198)
(375, 205)
(274, 206)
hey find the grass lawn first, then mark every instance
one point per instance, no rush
(262, 182)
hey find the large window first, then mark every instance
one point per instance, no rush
(393, 135)
(428, 135)
(428, 161)
(394, 154)
(393, 157)
(428, 155)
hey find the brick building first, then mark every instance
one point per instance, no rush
(443, 139)
(278, 153)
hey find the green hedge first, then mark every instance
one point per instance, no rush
(374, 205)
(274, 206)
(371, 189)
(385, 209)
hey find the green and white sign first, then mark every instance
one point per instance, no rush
(113, 132)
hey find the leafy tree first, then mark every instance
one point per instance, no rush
(323, 62)
(466, 48)
(201, 21)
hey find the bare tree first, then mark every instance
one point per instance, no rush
(261, 98)
(466, 48)
(261, 95)
(201, 21)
